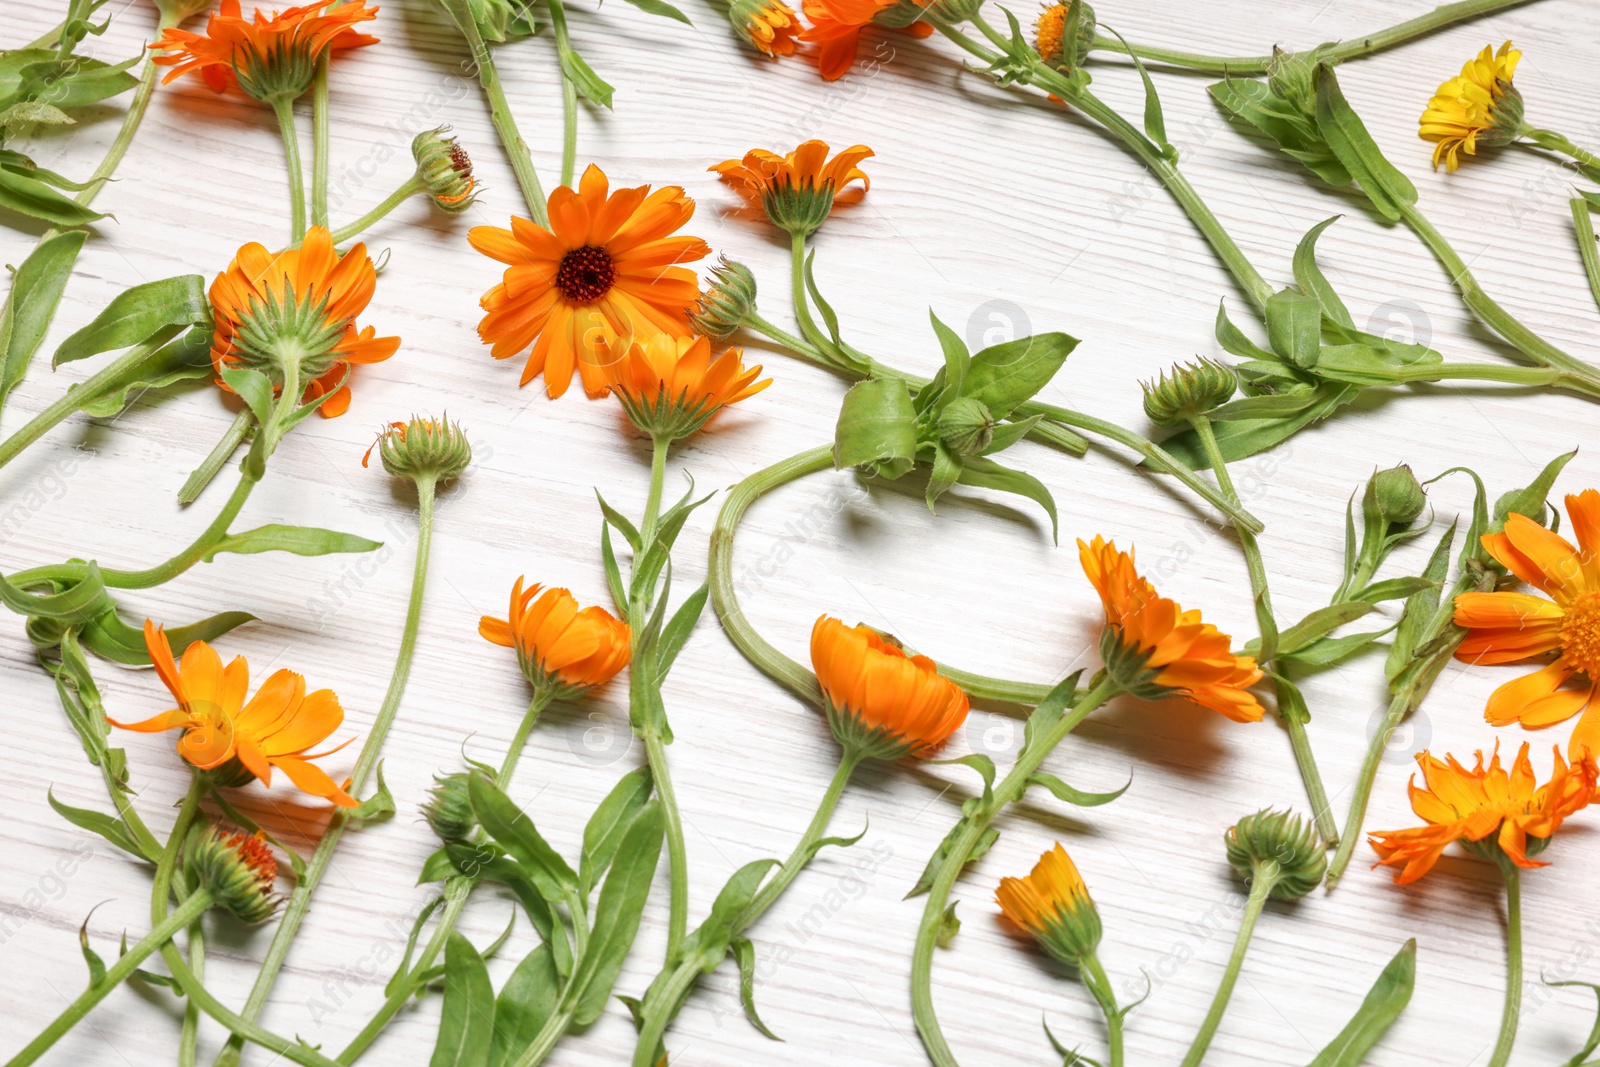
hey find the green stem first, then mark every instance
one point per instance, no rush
(1354, 48)
(569, 93)
(51, 36)
(956, 856)
(677, 855)
(803, 349)
(189, 1036)
(137, 106)
(659, 447)
(1100, 987)
(1555, 142)
(319, 143)
(672, 991)
(212, 465)
(408, 188)
(1511, 1015)
(283, 107)
(1266, 876)
(1588, 244)
(300, 900)
(190, 910)
(820, 342)
(456, 891)
(544, 1042)
(71, 401)
(500, 112)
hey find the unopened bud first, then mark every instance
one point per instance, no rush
(1279, 846)
(1188, 390)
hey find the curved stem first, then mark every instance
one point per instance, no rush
(1094, 976)
(958, 851)
(300, 900)
(1353, 48)
(209, 467)
(283, 108)
(319, 143)
(1266, 876)
(198, 549)
(408, 188)
(1511, 1015)
(569, 93)
(654, 1029)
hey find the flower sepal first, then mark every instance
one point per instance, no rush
(423, 448)
(1278, 846)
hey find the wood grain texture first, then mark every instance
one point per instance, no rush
(1002, 213)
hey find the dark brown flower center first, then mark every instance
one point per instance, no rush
(586, 274)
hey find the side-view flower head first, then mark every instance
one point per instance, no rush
(836, 27)
(563, 650)
(797, 190)
(771, 27)
(266, 57)
(671, 386)
(1052, 905)
(1477, 108)
(879, 700)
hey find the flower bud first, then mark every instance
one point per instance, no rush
(1053, 905)
(448, 810)
(1188, 390)
(1289, 77)
(423, 448)
(1278, 846)
(238, 869)
(727, 302)
(1394, 496)
(1050, 36)
(444, 169)
(966, 426)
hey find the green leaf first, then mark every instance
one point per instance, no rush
(1317, 624)
(613, 517)
(1395, 589)
(1294, 327)
(877, 427)
(949, 925)
(89, 81)
(380, 805)
(403, 971)
(30, 305)
(110, 638)
(710, 940)
(1233, 340)
(139, 313)
(97, 966)
(744, 953)
(1005, 375)
(1593, 1040)
(582, 76)
(1530, 500)
(183, 359)
(660, 7)
(930, 870)
(511, 828)
(608, 556)
(78, 603)
(676, 633)
(1007, 434)
(978, 762)
(524, 1005)
(33, 197)
(1347, 136)
(107, 826)
(1583, 207)
(603, 834)
(945, 474)
(616, 917)
(298, 540)
(987, 474)
(956, 356)
(1078, 797)
(1311, 279)
(1240, 434)
(1421, 608)
(1282, 121)
(1328, 651)
(466, 1025)
(1383, 1004)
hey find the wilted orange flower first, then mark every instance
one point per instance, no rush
(881, 701)
(770, 26)
(293, 313)
(265, 57)
(275, 729)
(1154, 648)
(1053, 905)
(1485, 807)
(1479, 107)
(836, 27)
(564, 650)
(670, 386)
(603, 270)
(797, 190)
(1507, 627)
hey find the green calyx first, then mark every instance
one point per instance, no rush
(1278, 846)
(283, 72)
(449, 808)
(1127, 667)
(1072, 933)
(425, 448)
(966, 426)
(1393, 496)
(727, 303)
(238, 869)
(865, 741)
(798, 209)
(1187, 391)
(285, 337)
(664, 416)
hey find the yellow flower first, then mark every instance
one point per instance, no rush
(770, 26)
(1052, 904)
(1478, 107)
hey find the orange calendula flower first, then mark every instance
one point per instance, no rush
(671, 386)
(268, 58)
(291, 316)
(769, 26)
(797, 190)
(605, 269)
(564, 650)
(836, 27)
(1507, 627)
(1153, 648)
(881, 702)
(1485, 808)
(1480, 107)
(223, 733)
(1052, 904)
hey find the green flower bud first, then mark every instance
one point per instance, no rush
(444, 169)
(1278, 846)
(435, 448)
(238, 869)
(448, 810)
(1394, 496)
(727, 302)
(1050, 36)
(966, 426)
(1188, 390)
(1289, 78)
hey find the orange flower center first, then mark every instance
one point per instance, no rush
(1580, 635)
(257, 856)
(586, 274)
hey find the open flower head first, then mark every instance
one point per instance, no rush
(1507, 627)
(238, 740)
(797, 190)
(1050, 33)
(606, 268)
(836, 27)
(771, 27)
(1486, 809)
(563, 650)
(1153, 648)
(291, 316)
(1052, 904)
(881, 702)
(269, 58)
(1478, 108)
(671, 386)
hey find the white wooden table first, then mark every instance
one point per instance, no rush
(1004, 216)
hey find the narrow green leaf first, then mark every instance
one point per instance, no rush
(987, 474)
(1394, 589)
(1316, 625)
(744, 953)
(110, 638)
(593, 87)
(945, 474)
(613, 517)
(109, 827)
(1294, 327)
(185, 358)
(31, 303)
(404, 969)
(139, 313)
(1240, 437)
(676, 633)
(1078, 797)
(1349, 140)
(978, 762)
(949, 925)
(956, 356)
(616, 917)
(379, 806)
(32, 197)
(662, 8)
(1005, 375)
(466, 1024)
(1233, 340)
(1311, 279)
(524, 1005)
(97, 966)
(603, 834)
(297, 540)
(1383, 1004)
(514, 831)
(1588, 243)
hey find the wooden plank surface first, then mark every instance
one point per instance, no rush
(1004, 215)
